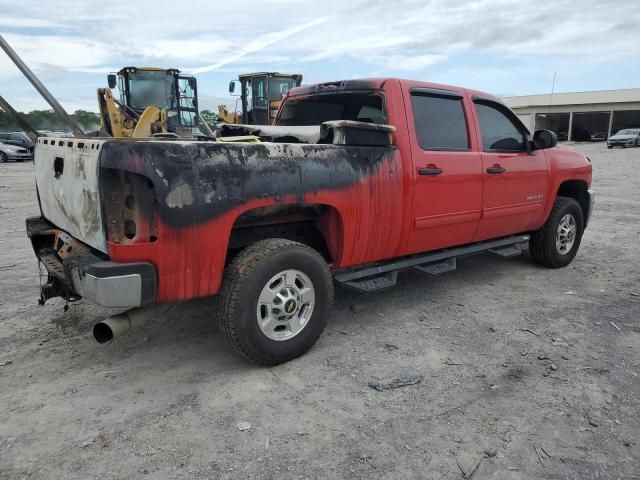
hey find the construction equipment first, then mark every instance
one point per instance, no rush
(260, 97)
(153, 101)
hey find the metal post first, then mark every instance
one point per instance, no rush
(569, 133)
(610, 124)
(19, 119)
(42, 90)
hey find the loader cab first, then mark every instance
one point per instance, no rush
(261, 94)
(167, 89)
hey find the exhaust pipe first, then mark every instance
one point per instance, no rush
(112, 327)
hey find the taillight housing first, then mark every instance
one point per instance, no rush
(129, 207)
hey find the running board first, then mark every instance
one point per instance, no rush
(371, 284)
(448, 265)
(510, 251)
(383, 275)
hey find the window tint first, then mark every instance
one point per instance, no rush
(498, 131)
(317, 109)
(440, 122)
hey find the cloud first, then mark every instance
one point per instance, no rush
(261, 43)
(414, 63)
(325, 41)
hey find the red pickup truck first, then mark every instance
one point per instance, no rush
(354, 182)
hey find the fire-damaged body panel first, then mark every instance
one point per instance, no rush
(67, 178)
(202, 189)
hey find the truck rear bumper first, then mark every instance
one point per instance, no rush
(75, 271)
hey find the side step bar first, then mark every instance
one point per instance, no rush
(384, 275)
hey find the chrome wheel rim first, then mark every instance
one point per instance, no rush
(285, 305)
(566, 234)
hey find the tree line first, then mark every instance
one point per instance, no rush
(49, 120)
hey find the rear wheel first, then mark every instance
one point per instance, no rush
(3, 157)
(555, 245)
(274, 300)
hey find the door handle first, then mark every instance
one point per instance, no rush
(496, 170)
(430, 171)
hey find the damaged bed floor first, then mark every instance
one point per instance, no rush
(526, 372)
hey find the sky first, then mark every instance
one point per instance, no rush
(503, 47)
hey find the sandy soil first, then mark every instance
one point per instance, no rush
(524, 371)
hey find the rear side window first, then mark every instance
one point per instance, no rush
(440, 122)
(499, 132)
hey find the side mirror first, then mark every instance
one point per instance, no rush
(232, 86)
(545, 139)
(112, 81)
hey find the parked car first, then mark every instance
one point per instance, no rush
(12, 152)
(355, 181)
(563, 136)
(598, 137)
(629, 137)
(17, 138)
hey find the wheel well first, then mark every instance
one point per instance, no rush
(576, 189)
(316, 225)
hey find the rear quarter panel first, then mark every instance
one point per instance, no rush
(202, 188)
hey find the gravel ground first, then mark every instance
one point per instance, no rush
(533, 373)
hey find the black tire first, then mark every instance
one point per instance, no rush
(3, 157)
(542, 245)
(244, 280)
(609, 146)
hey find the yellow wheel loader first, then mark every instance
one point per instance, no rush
(153, 102)
(260, 97)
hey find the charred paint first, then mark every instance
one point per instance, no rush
(194, 182)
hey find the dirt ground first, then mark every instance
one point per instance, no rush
(533, 373)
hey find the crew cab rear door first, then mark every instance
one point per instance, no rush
(515, 178)
(447, 169)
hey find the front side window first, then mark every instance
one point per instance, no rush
(499, 132)
(440, 122)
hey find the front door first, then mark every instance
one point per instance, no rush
(260, 101)
(447, 171)
(515, 177)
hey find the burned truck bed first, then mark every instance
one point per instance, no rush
(166, 201)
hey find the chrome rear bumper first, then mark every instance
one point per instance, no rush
(75, 271)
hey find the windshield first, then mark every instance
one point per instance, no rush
(317, 109)
(628, 131)
(148, 88)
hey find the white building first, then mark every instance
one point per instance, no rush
(579, 114)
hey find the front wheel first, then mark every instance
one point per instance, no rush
(3, 157)
(274, 300)
(555, 245)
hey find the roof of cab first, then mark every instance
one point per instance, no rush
(378, 84)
